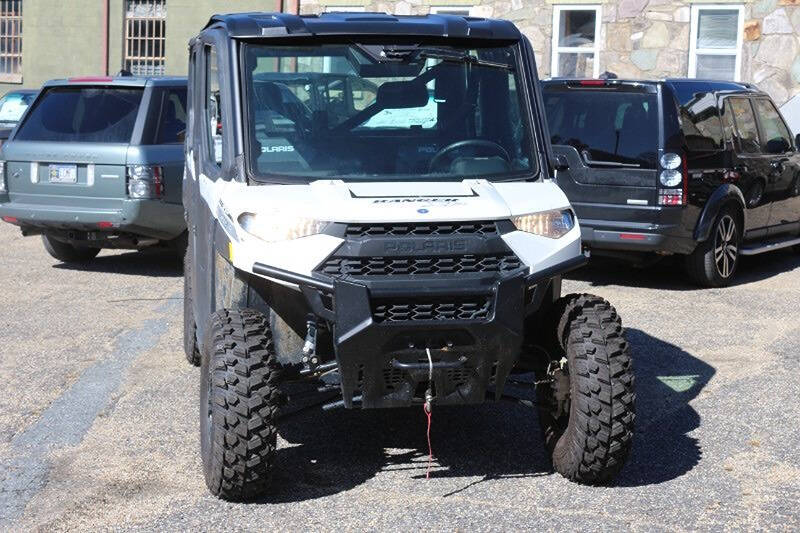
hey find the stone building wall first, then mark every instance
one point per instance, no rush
(640, 38)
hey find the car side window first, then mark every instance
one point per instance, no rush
(213, 106)
(701, 124)
(172, 123)
(777, 139)
(728, 126)
(746, 128)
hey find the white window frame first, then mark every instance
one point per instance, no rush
(344, 9)
(141, 35)
(452, 9)
(694, 51)
(556, 49)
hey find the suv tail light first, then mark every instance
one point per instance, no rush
(145, 181)
(673, 179)
(3, 176)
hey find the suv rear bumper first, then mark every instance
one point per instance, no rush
(606, 235)
(634, 229)
(381, 353)
(147, 218)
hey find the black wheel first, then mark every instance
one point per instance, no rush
(586, 403)
(68, 253)
(713, 263)
(189, 325)
(238, 405)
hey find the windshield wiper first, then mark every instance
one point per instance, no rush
(589, 161)
(413, 53)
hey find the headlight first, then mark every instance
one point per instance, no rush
(274, 228)
(552, 224)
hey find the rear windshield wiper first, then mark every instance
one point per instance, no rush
(443, 54)
(596, 162)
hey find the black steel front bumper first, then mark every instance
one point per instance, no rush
(382, 331)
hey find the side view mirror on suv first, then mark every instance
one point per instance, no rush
(778, 145)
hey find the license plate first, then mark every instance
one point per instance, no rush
(63, 174)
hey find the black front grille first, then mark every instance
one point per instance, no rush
(406, 266)
(436, 228)
(468, 308)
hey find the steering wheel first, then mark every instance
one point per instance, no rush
(476, 144)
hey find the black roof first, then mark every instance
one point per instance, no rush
(711, 85)
(679, 84)
(264, 25)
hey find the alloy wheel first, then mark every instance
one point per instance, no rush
(726, 246)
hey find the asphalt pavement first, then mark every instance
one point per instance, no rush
(99, 416)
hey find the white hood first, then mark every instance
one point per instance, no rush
(337, 201)
(382, 202)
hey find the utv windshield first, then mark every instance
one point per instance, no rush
(385, 112)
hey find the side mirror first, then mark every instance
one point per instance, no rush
(560, 163)
(778, 145)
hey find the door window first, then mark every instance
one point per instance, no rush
(172, 123)
(776, 134)
(213, 106)
(746, 128)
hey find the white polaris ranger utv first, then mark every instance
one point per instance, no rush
(370, 202)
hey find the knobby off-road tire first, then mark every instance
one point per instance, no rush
(713, 262)
(68, 253)
(189, 325)
(587, 412)
(238, 405)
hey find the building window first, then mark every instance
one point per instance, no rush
(11, 40)
(464, 11)
(715, 46)
(145, 23)
(576, 32)
(344, 9)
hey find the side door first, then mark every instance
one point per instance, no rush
(784, 163)
(209, 150)
(751, 169)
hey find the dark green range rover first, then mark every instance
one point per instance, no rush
(97, 163)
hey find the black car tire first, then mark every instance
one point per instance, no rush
(238, 403)
(713, 262)
(68, 253)
(587, 411)
(190, 347)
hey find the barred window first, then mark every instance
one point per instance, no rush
(145, 23)
(11, 40)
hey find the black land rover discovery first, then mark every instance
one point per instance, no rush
(705, 169)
